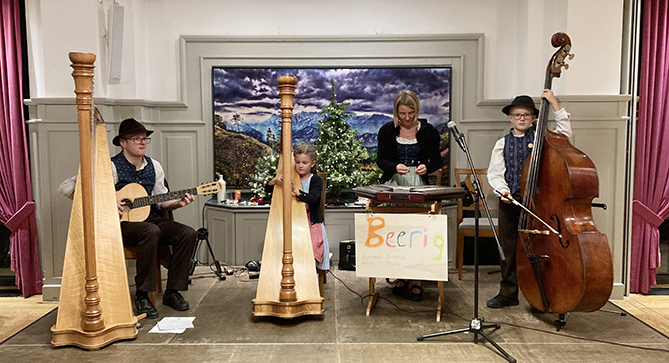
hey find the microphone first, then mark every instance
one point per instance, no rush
(459, 138)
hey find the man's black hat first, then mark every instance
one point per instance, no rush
(128, 127)
(521, 101)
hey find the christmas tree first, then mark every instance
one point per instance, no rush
(266, 167)
(339, 152)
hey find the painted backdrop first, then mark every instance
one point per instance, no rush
(247, 118)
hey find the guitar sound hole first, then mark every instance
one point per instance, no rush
(127, 203)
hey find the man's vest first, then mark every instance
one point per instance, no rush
(127, 173)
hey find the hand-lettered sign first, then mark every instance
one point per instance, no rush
(410, 246)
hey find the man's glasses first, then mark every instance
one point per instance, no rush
(518, 116)
(138, 140)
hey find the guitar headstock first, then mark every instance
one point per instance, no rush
(209, 188)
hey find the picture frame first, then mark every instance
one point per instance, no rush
(247, 118)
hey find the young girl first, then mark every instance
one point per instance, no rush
(305, 164)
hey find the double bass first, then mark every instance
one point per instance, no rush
(568, 268)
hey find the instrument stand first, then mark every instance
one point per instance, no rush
(203, 235)
(476, 325)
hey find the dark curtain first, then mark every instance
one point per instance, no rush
(16, 197)
(651, 191)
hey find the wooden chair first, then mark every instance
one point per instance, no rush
(466, 223)
(322, 274)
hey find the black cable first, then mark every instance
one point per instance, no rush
(586, 339)
(363, 297)
(239, 272)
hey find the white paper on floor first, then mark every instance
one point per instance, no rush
(173, 325)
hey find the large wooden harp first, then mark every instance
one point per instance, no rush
(95, 308)
(288, 284)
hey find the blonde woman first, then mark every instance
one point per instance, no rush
(408, 152)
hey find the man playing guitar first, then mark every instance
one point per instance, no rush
(129, 166)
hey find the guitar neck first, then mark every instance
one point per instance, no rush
(154, 199)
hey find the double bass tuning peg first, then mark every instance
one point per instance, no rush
(570, 56)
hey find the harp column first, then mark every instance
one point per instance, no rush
(287, 94)
(83, 66)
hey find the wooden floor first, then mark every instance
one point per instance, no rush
(16, 313)
(651, 309)
(226, 331)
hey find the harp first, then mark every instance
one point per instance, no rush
(288, 284)
(95, 308)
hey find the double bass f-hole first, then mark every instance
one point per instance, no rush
(555, 218)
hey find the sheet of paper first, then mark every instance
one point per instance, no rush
(157, 330)
(173, 325)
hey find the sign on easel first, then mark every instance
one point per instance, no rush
(410, 246)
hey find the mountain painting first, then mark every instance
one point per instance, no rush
(247, 117)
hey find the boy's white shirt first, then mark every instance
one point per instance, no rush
(497, 167)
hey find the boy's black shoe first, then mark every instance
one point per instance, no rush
(144, 306)
(174, 300)
(501, 301)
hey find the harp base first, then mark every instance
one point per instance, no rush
(287, 309)
(94, 340)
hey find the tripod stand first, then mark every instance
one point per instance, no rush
(203, 235)
(476, 325)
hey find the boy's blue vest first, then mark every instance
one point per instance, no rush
(516, 150)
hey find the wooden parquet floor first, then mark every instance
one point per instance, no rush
(651, 309)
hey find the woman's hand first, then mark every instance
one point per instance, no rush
(402, 169)
(421, 169)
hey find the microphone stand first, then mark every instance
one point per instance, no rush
(476, 325)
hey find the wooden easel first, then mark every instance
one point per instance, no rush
(404, 208)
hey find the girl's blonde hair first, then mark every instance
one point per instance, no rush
(308, 150)
(409, 99)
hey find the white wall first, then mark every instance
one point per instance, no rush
(497, 49)
(517, 37)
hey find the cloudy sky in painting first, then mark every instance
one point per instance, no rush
(253, 92)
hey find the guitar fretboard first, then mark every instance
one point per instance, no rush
(153, 199)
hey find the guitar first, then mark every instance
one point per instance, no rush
(138, 204)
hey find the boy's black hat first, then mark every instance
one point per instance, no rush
(130, 126)
(521, 101)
